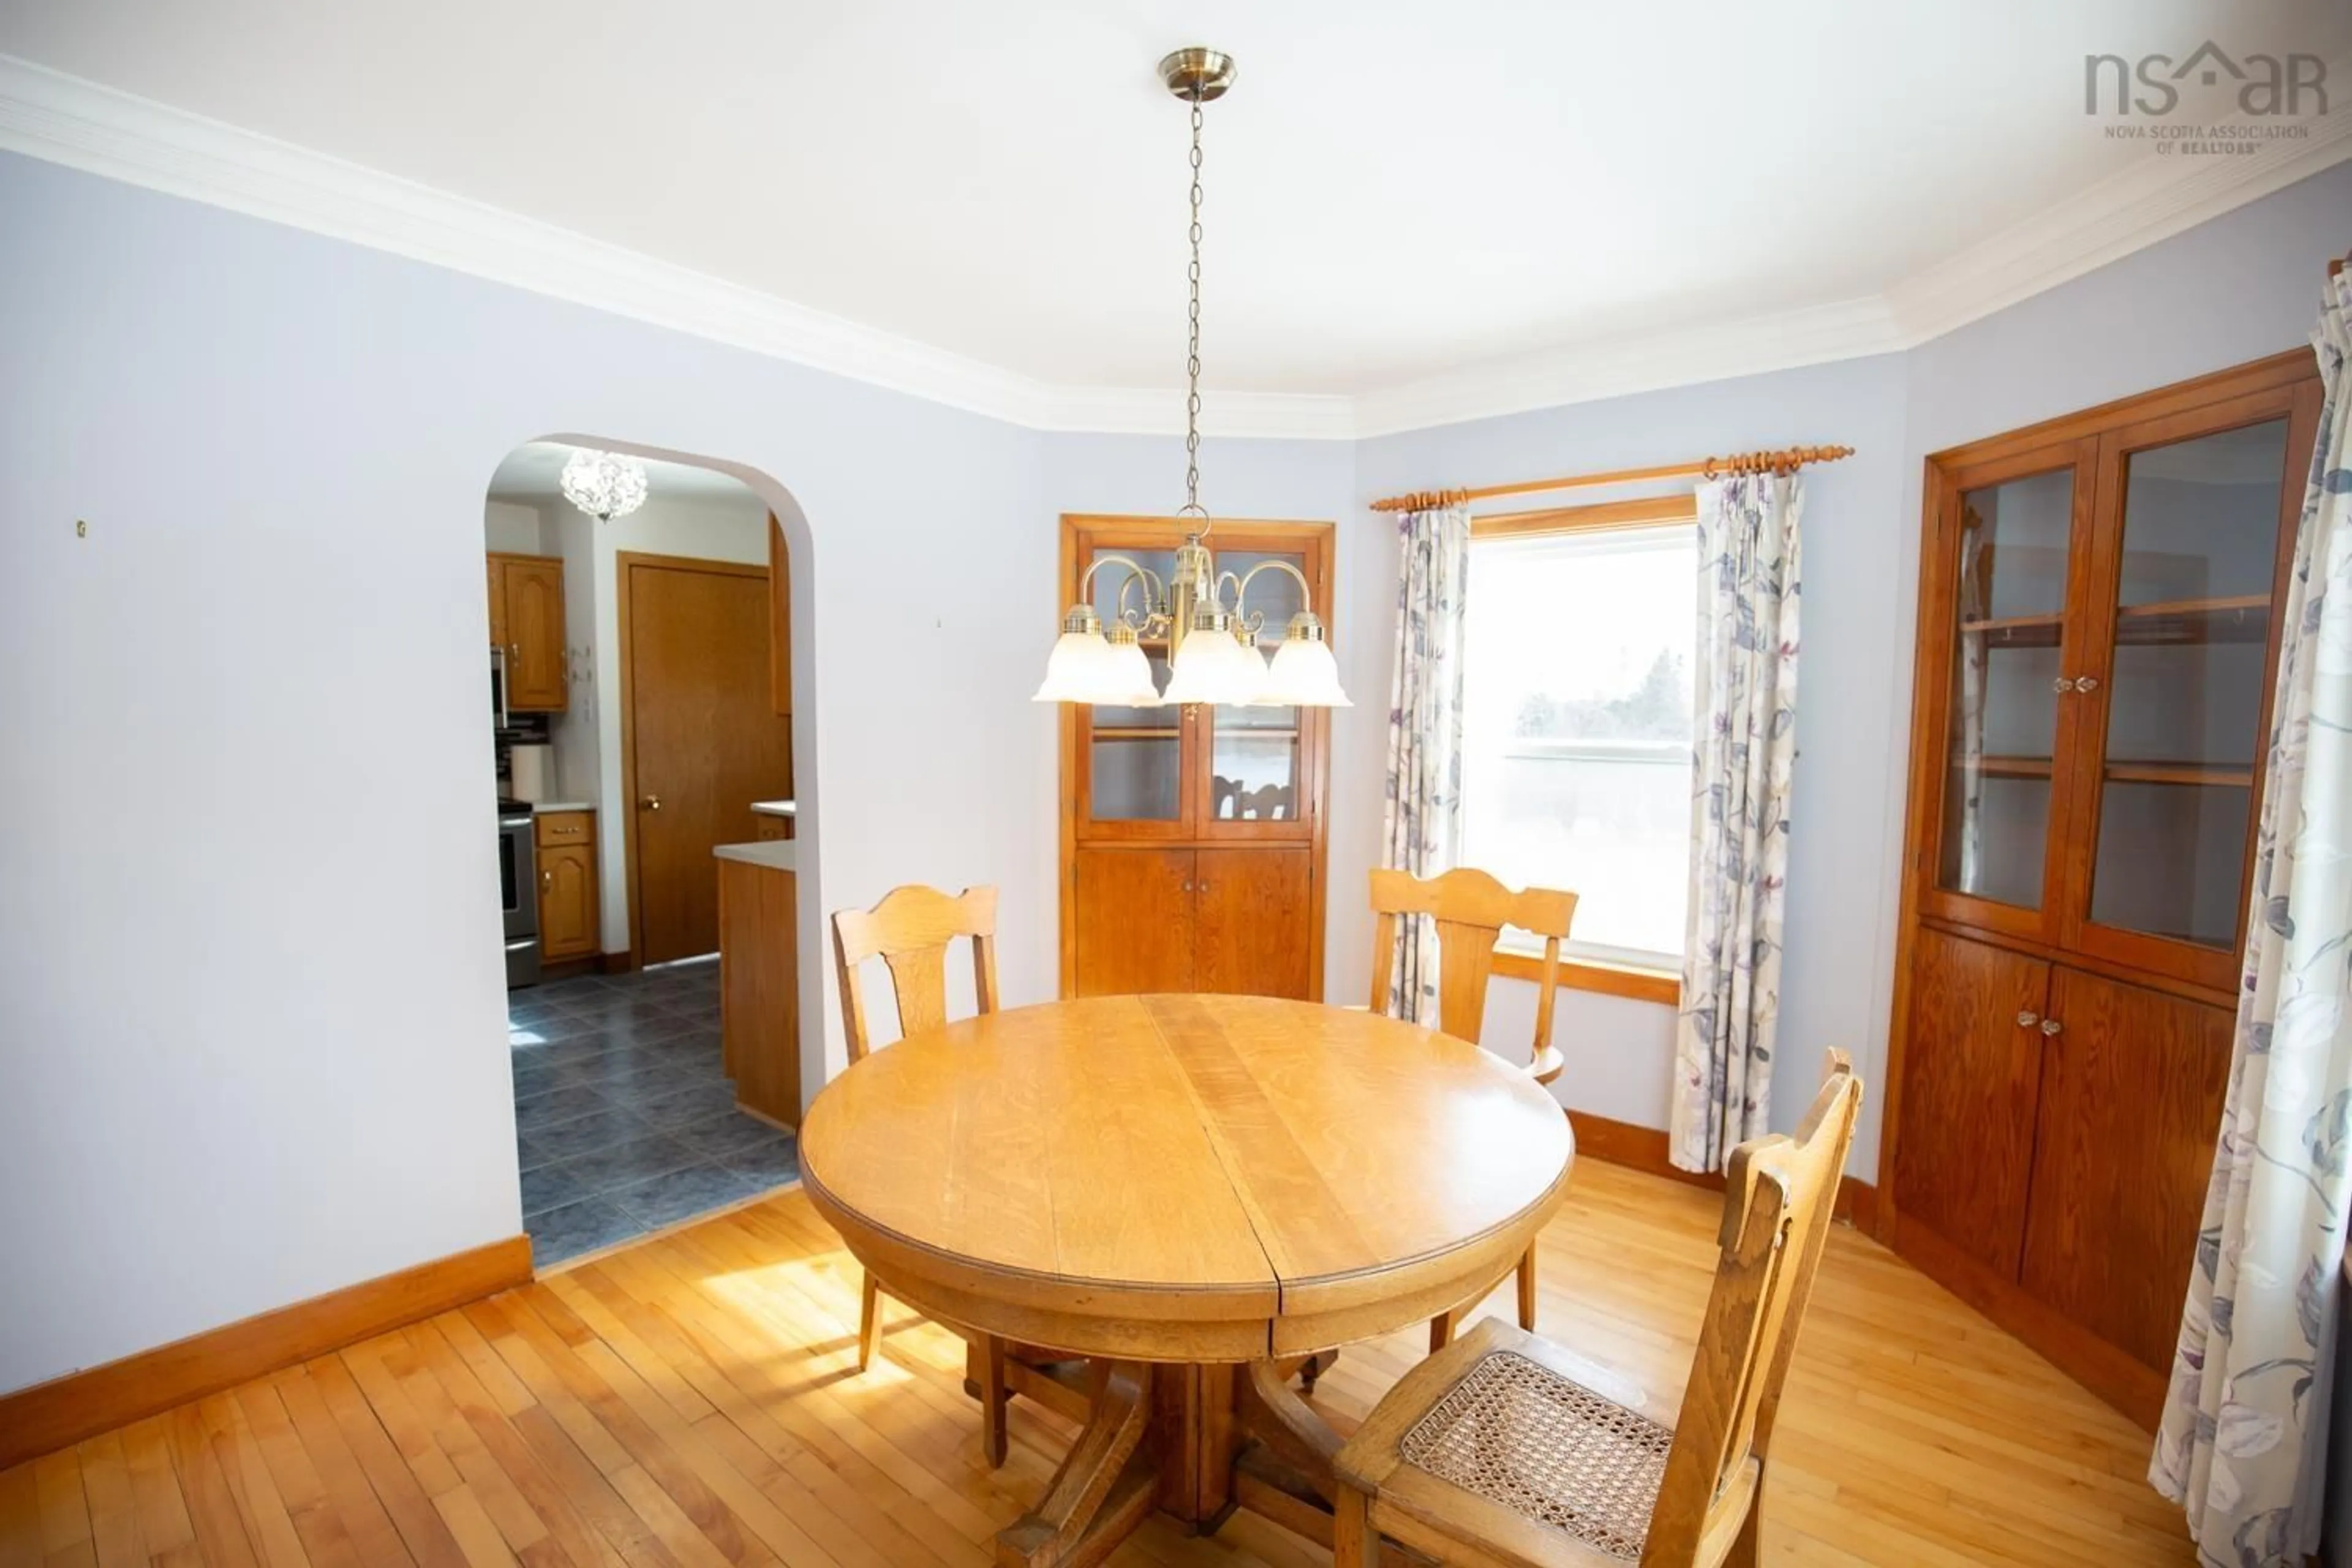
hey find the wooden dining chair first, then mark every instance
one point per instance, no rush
(1499, 1449)
(910, 931)
(1471, 908)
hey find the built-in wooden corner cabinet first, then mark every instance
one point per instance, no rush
(2098, 620)
(1192, 837)
(527, 623)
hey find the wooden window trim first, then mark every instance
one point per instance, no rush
(1632, 982)
(1643, 512)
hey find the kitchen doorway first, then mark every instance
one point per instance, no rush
(639, 633)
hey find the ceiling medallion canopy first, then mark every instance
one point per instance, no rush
(1213, 649)
(605, 485)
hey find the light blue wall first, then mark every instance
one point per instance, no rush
(250, 1001)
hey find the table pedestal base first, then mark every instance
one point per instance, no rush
(1171, 1436)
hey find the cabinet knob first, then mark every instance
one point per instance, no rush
(2027, 1020)
(2086, 683)
(2051, 1025)
(547, 878)
(650, 803)
(2061, 684)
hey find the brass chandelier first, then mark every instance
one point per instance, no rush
(1212, 650)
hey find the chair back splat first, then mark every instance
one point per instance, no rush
(1471, 908)
(910, 931)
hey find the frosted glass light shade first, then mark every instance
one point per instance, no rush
(1131, 675)
(1304, 675)
(1082, 667)
(1210, 666)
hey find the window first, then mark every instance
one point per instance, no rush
(1576, 727)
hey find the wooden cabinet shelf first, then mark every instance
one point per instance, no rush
(1135, 733)
(2120, 771)
(2180, 773)
(2080, 835)
(2235, 619)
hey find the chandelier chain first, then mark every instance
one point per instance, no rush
(1192, 345)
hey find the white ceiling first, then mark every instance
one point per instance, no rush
(1396, 190)
(532, 475)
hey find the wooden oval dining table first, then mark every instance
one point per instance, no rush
(1161, 1205)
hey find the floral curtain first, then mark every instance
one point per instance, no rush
(1421, 826)
(2242, 1445)
(1744, 744)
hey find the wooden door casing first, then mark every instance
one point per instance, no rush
(1250, 921)
(1134, 916)
(780, 621)
(534, 624)
(2132, 1086)
(568, 912)
(700, 740)
(1970, 1083)
(497, 581)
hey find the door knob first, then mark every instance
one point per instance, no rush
(650, 803)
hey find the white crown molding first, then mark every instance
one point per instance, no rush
(98, 130)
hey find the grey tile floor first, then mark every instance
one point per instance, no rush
(624, 1121)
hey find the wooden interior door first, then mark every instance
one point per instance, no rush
(1134, 918)
(1971, 1075)
(534, 617)
(1250, 932)
(701, 739)
(2132, 1086)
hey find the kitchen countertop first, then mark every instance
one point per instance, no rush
(776, 807)
(544, 806)
(777, 855)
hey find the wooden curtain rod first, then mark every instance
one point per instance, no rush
(1788, 459)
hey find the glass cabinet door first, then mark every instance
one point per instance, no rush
(1134, 756)
(1257, 783)
(2189, 585)
(2012, 534)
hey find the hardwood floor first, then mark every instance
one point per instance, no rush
(692, 1399)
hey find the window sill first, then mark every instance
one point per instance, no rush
(1664, 986)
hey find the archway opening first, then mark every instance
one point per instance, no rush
(649, 759)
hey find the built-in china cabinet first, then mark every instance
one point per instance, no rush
(1192, 837)
(2097, 637)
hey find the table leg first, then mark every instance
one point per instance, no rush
(1104, 1487)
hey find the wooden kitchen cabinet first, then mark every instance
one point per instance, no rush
(570, 915)
(527, 623)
